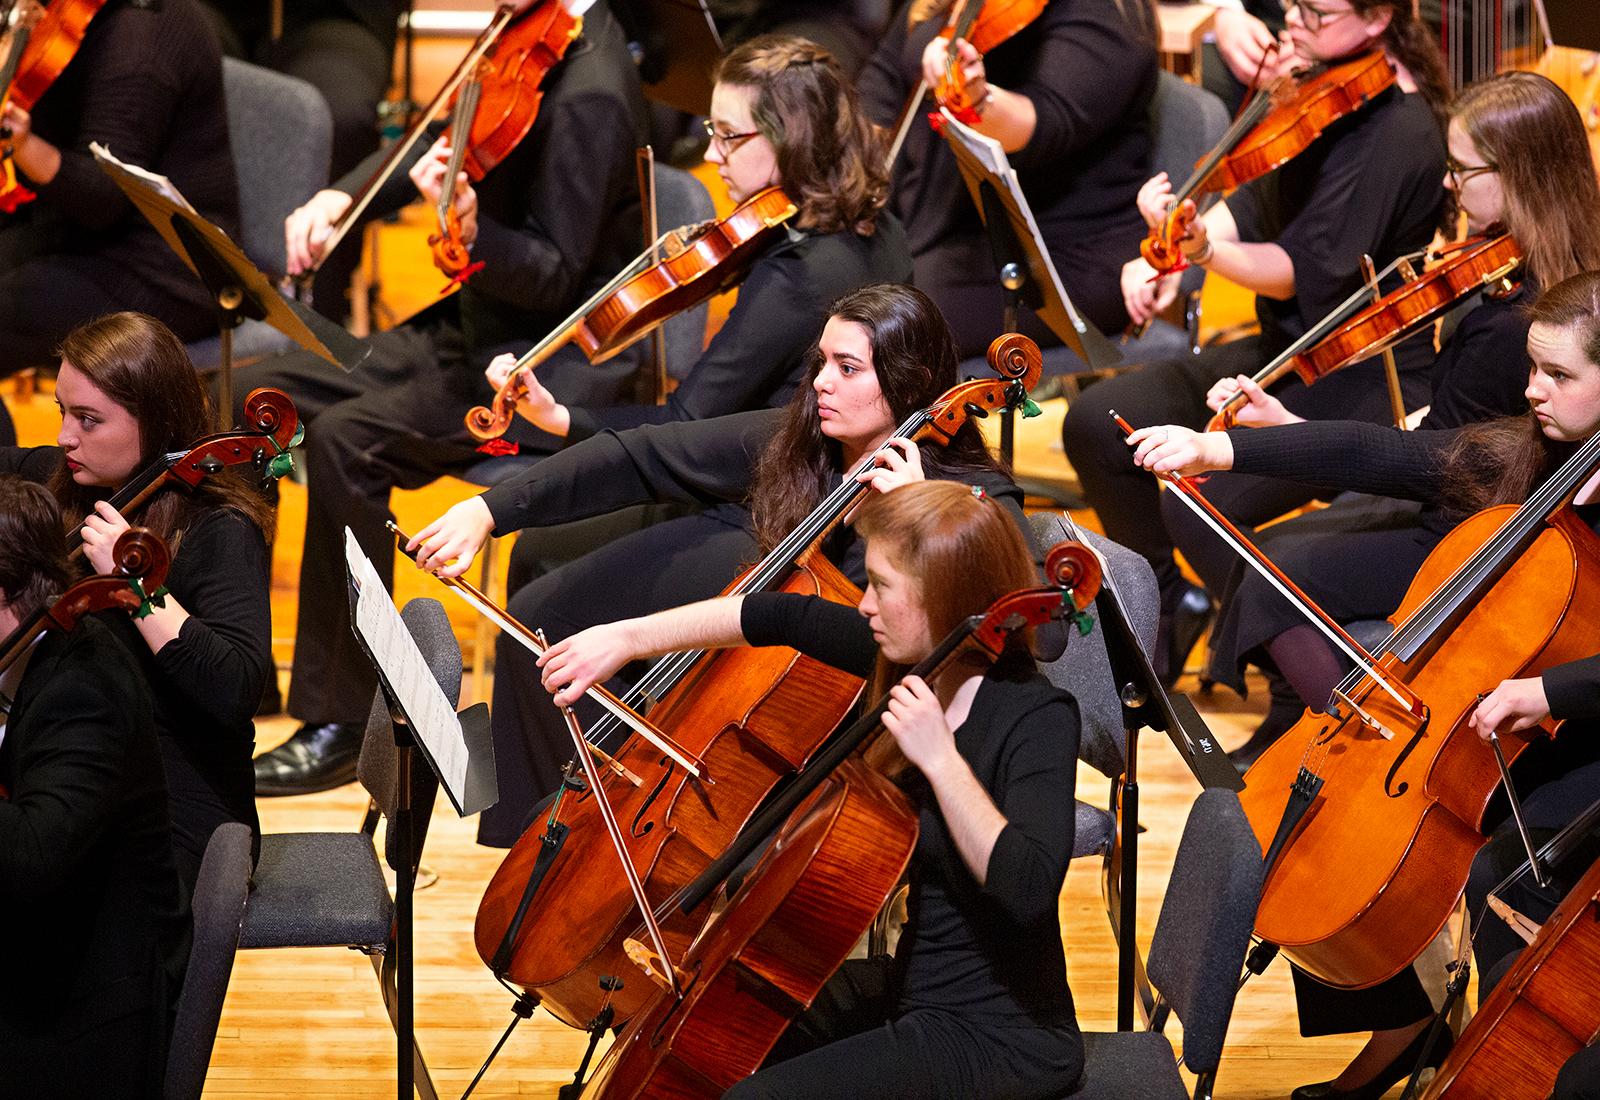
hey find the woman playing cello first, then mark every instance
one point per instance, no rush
(975, 1002)
(884, 353)
(1368, 186)
(1454, 473)
(128, 394)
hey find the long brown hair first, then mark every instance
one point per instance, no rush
(914, 358)
(830, 155)
(139, 364)
(33, 546)
(1529, 130)
(1501, 461)
(962, 550)
(1410, 42)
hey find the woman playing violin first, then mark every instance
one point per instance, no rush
(1519, 162)
(975, 1001)
(782, 115)
(884, 353)
(90, 906)
(147, 83)
(1453, 473)
(550, 223)
(1068, 98)
(128, 395)
(1368, 186)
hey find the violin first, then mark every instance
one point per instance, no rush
(844, 836)
(680, 270)
(1275, 126)
(141, 561)
(1351, 334)
(272, 427)
(751, 717)
(43, 42)
(1545, 1010)
(508, 60)
(983, 23)
(450, 253)
(1371, 813)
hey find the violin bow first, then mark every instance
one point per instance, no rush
(1236, 540)
(532, 641)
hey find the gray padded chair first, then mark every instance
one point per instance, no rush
(219, 903)
(1196, 956)
(281, 135)
(327, 889)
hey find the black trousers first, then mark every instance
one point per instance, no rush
(682, 560)
(850, 1043)
(1128, 499)
(393, 422)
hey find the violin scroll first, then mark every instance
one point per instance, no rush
(491, 422)
(1160, 248)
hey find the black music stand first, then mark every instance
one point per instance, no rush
(458, 747)
(237, 288)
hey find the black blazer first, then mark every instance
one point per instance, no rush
(95, 936)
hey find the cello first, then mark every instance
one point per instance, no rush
(752, 717)
(1351, 334)
(844, 834)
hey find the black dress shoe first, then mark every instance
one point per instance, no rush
(317, 758)
(1189, 619)
(1391, 1074)
(1280, 718)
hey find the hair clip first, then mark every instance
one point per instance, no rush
(977, 491)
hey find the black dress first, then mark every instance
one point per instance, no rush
(1090, 74)
(704, 463)
(89, 900)
(976, 1001)
(557, 218)
(1369, 186)
(147, 83)
(1357, 557)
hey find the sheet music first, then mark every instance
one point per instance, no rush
(433, 720)
(160, 183)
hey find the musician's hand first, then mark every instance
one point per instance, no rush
(573, 665)
(305, 230)
(1197, 240)
(936, 55)
(1259, 410)
(915, 719)
(100, 531)
(447, 546)
(18, 122)
(499, 369)
(1514, 705)
(1243, 41)
(899, 463)
(1172, 448)
(1143, 293)
(427, 174)
(1155, 199)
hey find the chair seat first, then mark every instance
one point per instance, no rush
(1129, 1065)
(251, 341)
(492, 471)
(317, 890)
(1092, 828)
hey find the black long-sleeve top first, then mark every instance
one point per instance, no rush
(147, 84)
(206, 682)
(1370, 185)
(706, 462)
(89, 898)
(560, 214)
(759, 354)
(1090, 77)
(990, 952)
(1482, 368)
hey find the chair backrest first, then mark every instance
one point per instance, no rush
(1207, 916)
(1185, 122)
(281, 134)
(683, 200)
(219, 901)
(1085, 669)
(430, 626)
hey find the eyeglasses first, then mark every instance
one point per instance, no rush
(1460, 173)
(727, 143)
(1314, 18)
